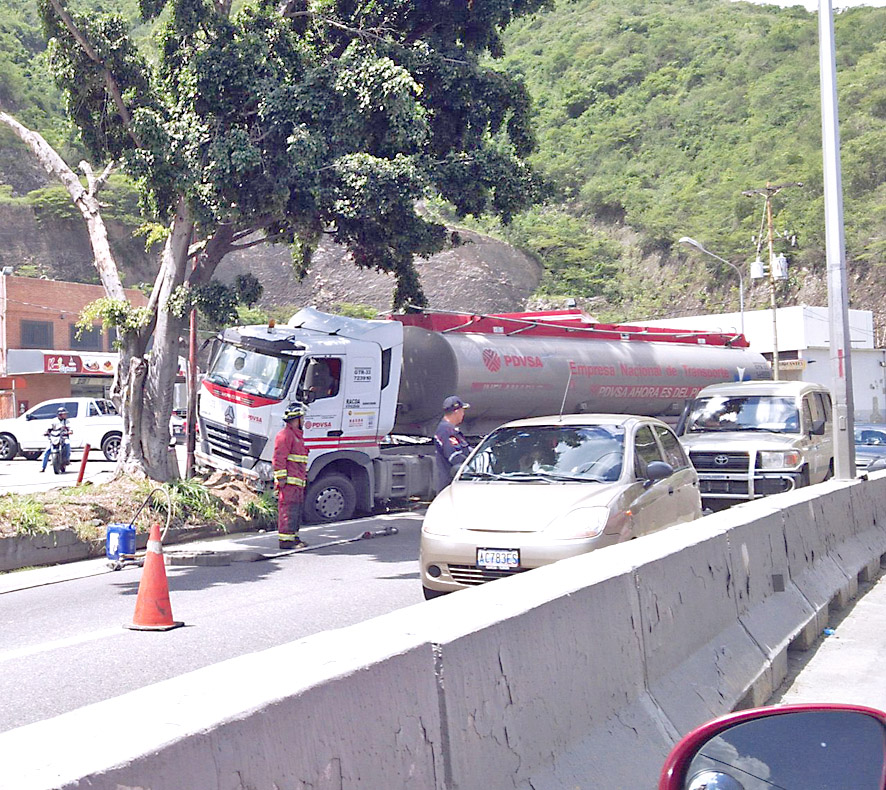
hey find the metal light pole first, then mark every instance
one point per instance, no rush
(838, 291)
(700, 247)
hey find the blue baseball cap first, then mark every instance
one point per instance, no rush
(453, 403)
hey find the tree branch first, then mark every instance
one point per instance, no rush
(110, 83)
(84, 200)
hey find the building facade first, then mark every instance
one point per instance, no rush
(802, 336)
(42, 354)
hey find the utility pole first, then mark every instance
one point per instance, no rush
(838, 289)
(768, 192)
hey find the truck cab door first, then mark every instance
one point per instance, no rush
(320, 389)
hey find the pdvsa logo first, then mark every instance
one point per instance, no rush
(492, 360)
(317, 424)
(521, 361)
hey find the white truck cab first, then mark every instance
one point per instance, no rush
(754, 438)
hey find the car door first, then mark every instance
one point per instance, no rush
(685, 479)
(37, 422)
(655, 505)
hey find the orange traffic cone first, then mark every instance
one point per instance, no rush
(153, 612)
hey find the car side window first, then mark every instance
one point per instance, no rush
(93, 410)
(823, 406)
(45, 412)
(645, 450)
(106, 407)
(807, 414)
(674, 454)
(71, 405)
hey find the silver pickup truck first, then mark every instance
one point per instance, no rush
(749, 439)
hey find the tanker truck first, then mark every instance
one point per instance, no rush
(367, 381)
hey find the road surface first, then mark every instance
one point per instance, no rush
(63, 643)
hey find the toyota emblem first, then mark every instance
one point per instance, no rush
(721, 460)
(229, 415)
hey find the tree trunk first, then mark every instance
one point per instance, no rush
(147, 380)
(143, 387)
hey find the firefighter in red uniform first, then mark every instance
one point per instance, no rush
(290, 475)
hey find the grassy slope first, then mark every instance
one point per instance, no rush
(652, 119)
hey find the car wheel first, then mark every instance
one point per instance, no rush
(33, 456)
(111, 446)
(429, 593)
(8, 447)
(330, 498)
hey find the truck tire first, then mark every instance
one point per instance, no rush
(33, 455)
(330, 498)
(8, 447)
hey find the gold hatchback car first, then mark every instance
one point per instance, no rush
(535, 491)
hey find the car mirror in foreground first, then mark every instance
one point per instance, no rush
(658, 470)
(793, 747)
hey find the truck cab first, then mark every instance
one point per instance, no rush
(755, 438)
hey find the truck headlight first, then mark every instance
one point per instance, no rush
(583, 522)
(779, 459)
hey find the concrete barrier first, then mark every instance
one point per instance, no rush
(577, 675)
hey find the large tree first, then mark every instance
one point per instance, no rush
(283, 122)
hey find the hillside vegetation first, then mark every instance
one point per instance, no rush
(652, 118)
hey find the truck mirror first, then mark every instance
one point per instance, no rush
(817, 427)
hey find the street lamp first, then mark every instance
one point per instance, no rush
(700, 247)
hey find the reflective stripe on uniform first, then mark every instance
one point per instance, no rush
(295, 481)
(299, 459)
(278, 473)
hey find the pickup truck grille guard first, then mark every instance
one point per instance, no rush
(735, 478)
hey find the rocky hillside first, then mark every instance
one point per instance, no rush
(482, 275)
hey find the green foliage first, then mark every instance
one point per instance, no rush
(113, 313)
(355, 310)
(658, 115)
(26, 513)
(263, 511)
(191, 501)
(334, 117)
(218, 303)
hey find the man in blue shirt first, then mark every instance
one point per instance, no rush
(450, 444)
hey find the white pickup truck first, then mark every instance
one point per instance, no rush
(754, 438)
(93, 421)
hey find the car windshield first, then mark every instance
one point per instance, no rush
(749, 413)
(548, 452)
(251, 372)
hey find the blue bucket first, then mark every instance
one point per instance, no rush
(120, 541)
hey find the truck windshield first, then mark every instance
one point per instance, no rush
(593, 453)
(749, 413)
(248, 371)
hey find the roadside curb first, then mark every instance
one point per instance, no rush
(63, 546)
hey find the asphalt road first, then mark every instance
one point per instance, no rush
(63, 643)
(21, 476)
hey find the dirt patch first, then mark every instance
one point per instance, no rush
(228, 504)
